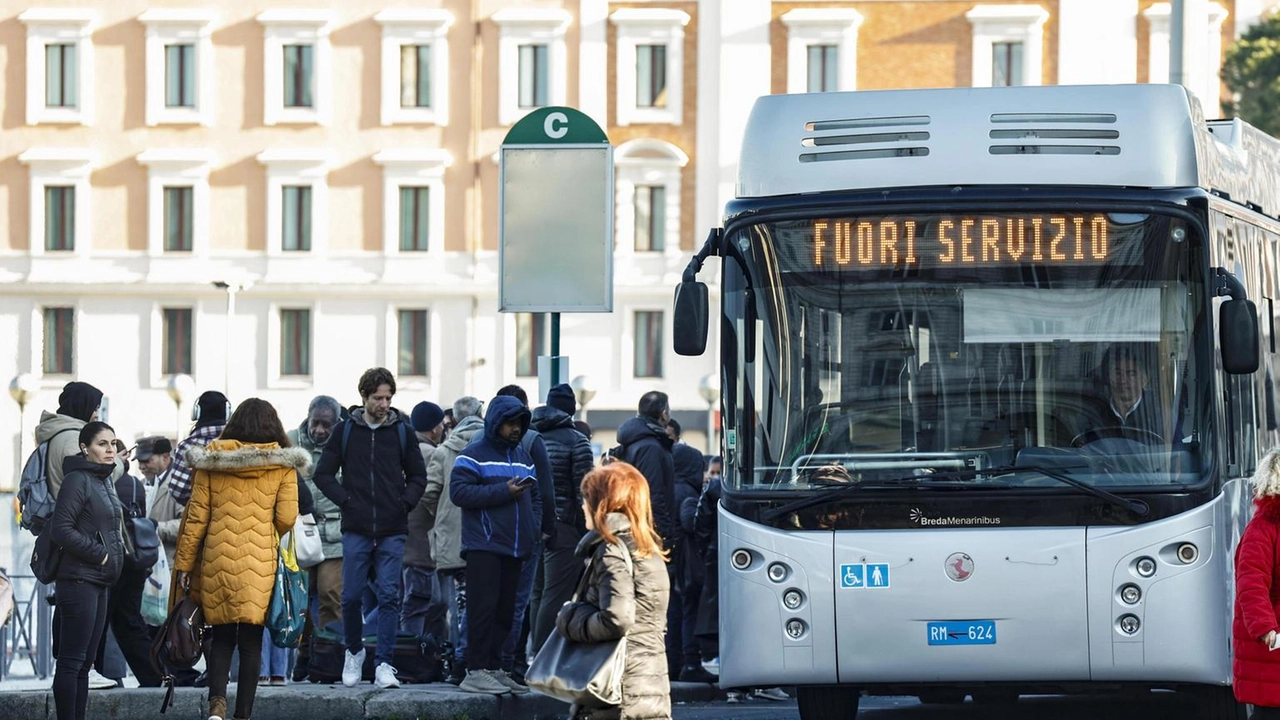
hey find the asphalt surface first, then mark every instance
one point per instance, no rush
(1157, 706)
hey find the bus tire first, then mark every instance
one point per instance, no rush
(941, 697)
(828, 703)
(1219, 703)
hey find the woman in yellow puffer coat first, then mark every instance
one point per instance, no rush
(244, 497)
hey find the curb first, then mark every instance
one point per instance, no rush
(437, 701)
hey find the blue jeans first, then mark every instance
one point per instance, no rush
(423, 609)
(528, 570)
(364, 556)
(275, 660)
(453, 589)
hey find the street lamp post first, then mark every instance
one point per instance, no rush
(709, 390)
(583, 392)
(22, 388)
(179, 387)
(232, 288)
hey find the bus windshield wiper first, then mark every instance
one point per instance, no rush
(947, 480)
(835, 490)
(1137, 507)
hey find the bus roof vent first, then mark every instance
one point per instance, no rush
(1027, 133)
(866, 138)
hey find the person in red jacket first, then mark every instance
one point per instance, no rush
(1256, 667)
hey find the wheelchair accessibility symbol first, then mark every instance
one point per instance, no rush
(853, 576)
(856, 576)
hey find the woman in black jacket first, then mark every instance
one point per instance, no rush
(87, 524)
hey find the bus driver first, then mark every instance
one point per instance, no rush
(1127, 408)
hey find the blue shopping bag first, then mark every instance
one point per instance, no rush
(288, 599)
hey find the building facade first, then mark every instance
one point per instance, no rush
(270, 196)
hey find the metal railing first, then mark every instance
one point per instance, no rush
(29, 634)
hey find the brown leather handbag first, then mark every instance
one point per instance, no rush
(179, 644)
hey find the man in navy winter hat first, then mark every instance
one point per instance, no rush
(561, 398)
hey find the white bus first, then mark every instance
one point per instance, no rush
(996, 366)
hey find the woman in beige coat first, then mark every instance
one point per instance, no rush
(244, 497)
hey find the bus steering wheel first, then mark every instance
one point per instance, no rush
(1139, 435)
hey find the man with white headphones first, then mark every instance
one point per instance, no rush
(210, 416)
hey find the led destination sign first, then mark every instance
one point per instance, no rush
(950, 240)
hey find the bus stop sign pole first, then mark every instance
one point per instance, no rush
(555, 227)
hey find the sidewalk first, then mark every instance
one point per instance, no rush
(307, 701)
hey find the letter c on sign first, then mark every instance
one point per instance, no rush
(556, 125)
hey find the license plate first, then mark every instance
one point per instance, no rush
(962, 632)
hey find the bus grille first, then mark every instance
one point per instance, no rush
(866, 139)
(1027, 130)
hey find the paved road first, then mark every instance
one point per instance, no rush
(1160, 706)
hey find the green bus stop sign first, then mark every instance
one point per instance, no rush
(555, 126)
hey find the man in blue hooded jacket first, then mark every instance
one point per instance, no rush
(494, 482)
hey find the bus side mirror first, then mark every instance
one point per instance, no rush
(1238, 336)
(690, 326)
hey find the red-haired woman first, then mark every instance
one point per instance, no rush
(619, 601)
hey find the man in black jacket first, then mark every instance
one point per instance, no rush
(570, 455)
(691, 467)
(383, 478)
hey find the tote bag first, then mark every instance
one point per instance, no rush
(306, 536)
(589, 673)
(155, 593)
(288, 598)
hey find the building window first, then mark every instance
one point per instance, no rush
(531, 342)
(824, 68)
(295, 218)
(60, 72)
(295, 342)
(648, 347)
(297, 73)
(298, 68)
(415, 214)
(59, 341)
(1008, 44)
(59, 218)
(59, 65)
(650, 40)
(532, 64)
(179, 66)
(651, 76)
(177, 342)
(651, 218)
(533, 76)
(822, 49)
(413, 343)
(415, 65)
(415, 76)
(1006, 64)
(178, 208)
(180, 76)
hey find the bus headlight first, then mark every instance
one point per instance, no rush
(792, 599)
(778, 572)
(795, 629)
(1130, 594)
(741, 559)
(1129, 624)
(1145, 566)
(1188, 553)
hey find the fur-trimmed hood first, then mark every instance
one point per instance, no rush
(1266, 479)
(232, 456)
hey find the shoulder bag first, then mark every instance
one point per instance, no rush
(179, 643)
(584, 673)
(288, 598)
(141, 542)
(306, 536)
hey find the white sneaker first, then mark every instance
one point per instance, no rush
(352, 668)
(483, 681)
(385, 676)
(511, 684)
(98, 682)
(712, 666)
(776, 694)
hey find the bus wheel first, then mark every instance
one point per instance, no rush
(1219, 703)
(941, 697)
(828, 703)
(995, 697)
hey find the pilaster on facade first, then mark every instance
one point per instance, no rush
(639, 28)
(1014, 24)
(531, 28)
(62, 170)
(297, 169)
(60, 67)
(176, 37)
(408, 169)
(310, 99)
(178, 169)
(809, 28)
(421, 31)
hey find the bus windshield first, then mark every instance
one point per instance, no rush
(891, 347)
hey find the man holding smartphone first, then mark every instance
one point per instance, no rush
(494, 483)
